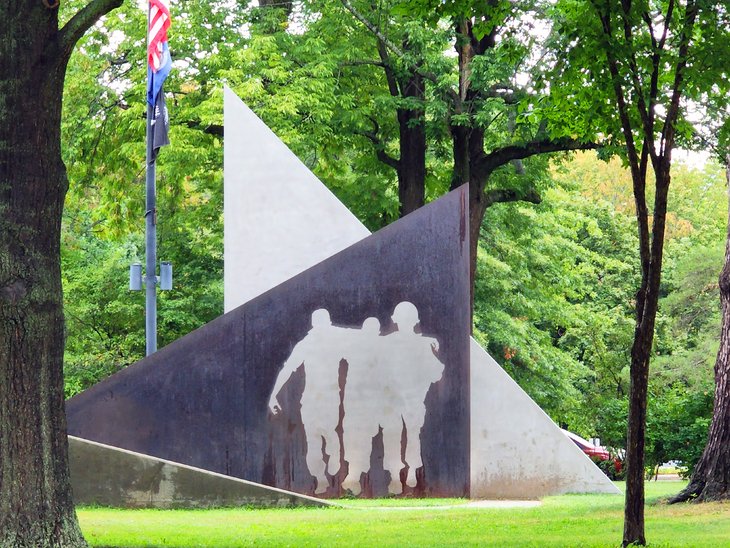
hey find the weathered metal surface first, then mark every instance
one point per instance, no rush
(269, 240)
(204, 400)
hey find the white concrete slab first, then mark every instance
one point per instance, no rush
(280, 220)
(517, 451)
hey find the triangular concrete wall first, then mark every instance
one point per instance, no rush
(516, 449)
(289, 210)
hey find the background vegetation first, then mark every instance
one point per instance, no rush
(554, 294)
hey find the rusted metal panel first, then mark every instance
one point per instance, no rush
(204, 399)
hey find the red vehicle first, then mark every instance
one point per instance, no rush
(587, 447)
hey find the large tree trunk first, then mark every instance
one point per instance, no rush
(462, 173)
(35, 497)
(410, 166)
(711, 477)
(36, 509)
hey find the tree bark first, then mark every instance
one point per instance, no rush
(711, 477)
(410, 167)
(646, 310)
(412, 163)
(36, 509)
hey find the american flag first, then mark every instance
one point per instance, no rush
(157, 36)
(159, 65)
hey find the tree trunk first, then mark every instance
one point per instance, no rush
(711, 477)
(462, 174)
(36, 508)
(412, 163)
(647, 303)
(410, 167)
(634, 507)
(34, 478)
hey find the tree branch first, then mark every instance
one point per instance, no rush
(394, 48)
(509, 95)
(638, 175)
(361, 62)
(210, 129)
(670, 123)
(383, 156)
(646, 114)
(372, 28)
(502, 195)
(389, 74)
(488, 163)
(82, 21)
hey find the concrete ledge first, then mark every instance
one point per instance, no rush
(109, 476)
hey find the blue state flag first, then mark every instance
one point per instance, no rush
(160, 122)
(156, 79)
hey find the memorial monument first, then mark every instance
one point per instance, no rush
(343, 362)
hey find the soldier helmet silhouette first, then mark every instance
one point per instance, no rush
(321, 318)
(405, 315)
(371, 325)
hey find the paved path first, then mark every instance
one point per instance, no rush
(486, 504)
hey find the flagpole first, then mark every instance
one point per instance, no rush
(150, 229)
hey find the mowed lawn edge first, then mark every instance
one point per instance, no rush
(566, 520)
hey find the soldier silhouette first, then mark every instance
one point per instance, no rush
(320, 352)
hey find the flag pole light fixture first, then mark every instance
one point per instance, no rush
(137, 280)
(135, 277)
(165, 275)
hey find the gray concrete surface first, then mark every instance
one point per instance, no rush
(109, 476)
(517, 451)
(266, 185)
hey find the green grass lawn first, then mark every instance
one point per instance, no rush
(568, 520)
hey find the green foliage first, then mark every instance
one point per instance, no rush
(688, 323)
(553, 302)
(103, 136)
(104, 322)
(556, 281)
(677, 424)
(577, 56)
